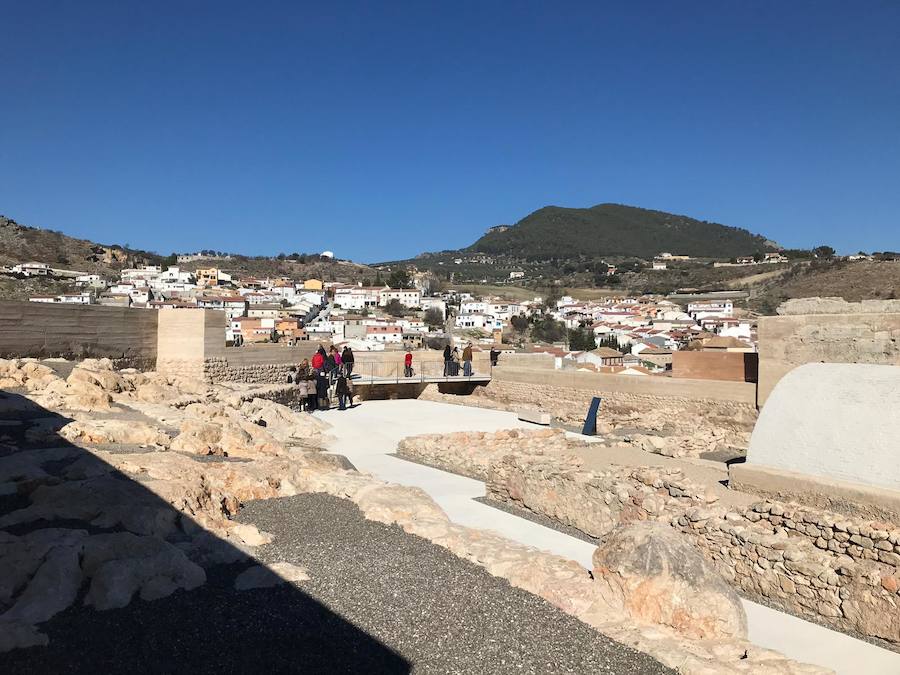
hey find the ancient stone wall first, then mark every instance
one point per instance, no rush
(473, 453)
(815, 564)
(654, 415)
(36, 329)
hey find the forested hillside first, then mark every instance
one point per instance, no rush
(617, 230)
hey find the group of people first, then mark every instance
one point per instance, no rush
(452, 361)
(314, 379)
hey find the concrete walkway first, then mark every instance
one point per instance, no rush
(369, 433)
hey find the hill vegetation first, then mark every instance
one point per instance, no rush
(616, 230)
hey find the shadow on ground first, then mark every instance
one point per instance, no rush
(54, 491)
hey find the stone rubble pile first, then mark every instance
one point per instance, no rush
(27, 373)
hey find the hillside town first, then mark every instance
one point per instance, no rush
(627, 335)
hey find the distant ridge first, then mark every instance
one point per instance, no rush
(616, 230)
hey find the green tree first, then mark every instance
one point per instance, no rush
(609, 341)
(434, 317)
(554, 293)
(395, 308)
(520, 323)
(823, 251)
(581, 339)
(399, 278)
(548, 329)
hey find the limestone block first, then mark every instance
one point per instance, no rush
(535, 416)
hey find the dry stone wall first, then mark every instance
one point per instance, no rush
(814, 564)
(220, 370)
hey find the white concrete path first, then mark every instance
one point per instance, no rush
(369, 433)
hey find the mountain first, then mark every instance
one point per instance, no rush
(616, 230)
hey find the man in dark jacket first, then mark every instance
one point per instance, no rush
(347, 359)
(344, 391)
(446, 360)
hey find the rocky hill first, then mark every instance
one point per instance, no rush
(616, 230)
(21, 243)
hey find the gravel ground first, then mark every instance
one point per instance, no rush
(441, 613)
(379, 601)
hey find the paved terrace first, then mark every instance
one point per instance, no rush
(368, 435)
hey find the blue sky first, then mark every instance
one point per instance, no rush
(381, 129)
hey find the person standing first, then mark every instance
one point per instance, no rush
(454, 362)
(348, 360)
(447, 360)
(467, 360)
(344, 390)
(300, 381)
(495, 355)
(312, 398)
(318, 359)
(322, 385)
(407, 364)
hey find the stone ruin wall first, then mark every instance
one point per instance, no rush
(841, 572)
(475, 452)
(220, 370)
(677, 425)
(815, 564)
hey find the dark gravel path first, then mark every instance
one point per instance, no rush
(441, 613)
(379, 601)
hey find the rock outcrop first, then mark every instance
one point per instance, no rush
(657, 576)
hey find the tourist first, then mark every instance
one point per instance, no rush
(322, 386)
(467, 360)
(330, 365)
(495, 355)
(454, 362)
(344, 390)
(347, 359)
(334, 356)
(301, 379)
(407, 364)
(447, 360)
(318, 359)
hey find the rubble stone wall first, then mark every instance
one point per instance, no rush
(36, 329)
(812, 563)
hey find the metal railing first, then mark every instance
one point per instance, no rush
(366, 372)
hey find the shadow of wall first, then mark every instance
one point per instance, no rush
(120, 580)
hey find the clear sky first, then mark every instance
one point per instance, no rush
(382, 129)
